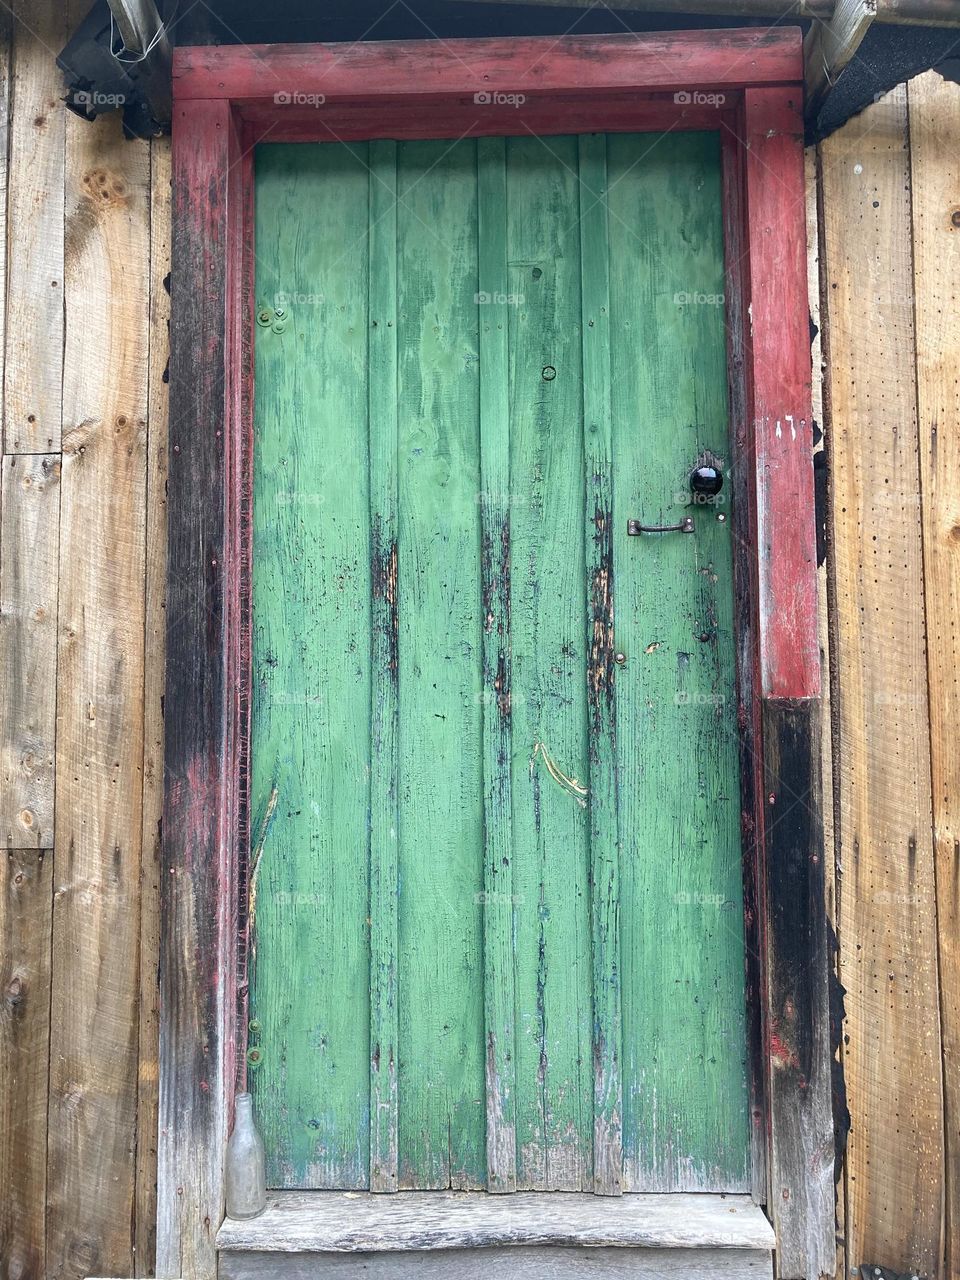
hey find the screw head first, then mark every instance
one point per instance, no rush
(619, 659)
(279, 326)
(279, 312)
(265, 316)
(721, 518)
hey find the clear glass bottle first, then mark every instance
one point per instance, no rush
(246, 1167)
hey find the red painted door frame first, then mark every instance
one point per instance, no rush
(745, 83)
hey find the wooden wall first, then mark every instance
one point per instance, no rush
(83, 317)
(82, 542)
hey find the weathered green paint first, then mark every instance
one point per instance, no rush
(684, 1034)
(495, 567)
(603, 799)
(311, 668)
(441, 1084)
(554, 1057)
(384, 706)
(498, 917)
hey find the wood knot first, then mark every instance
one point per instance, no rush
(104, 187)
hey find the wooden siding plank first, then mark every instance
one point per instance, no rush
(34, 335)
(602, 726)
(25, 921)
(497, 645)
(548, 707)
(312, 563)
(431, 68)
(889, 959)
(384, 760)
(96, 925)
(934, 111)
(686, 1110)
(153, 684)
(197, 970)
(441, 799)
(29, 546)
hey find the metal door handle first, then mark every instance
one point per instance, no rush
(635, 528)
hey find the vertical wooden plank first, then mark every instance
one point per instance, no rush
(934, 108)
(34, 337)
(96, 927)
(153, 680)
(553, 977)
(602, 724)
(826, 614)
(743, 525)
(196, 948)
(498, 906)
(384, 762)
(442, 1137)
(29, 540)
(889, 958)
(312, 594)
(780, 380)
(685, 1111)
(797, 1000)
(25, 918)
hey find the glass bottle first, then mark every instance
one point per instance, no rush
(246, 1167)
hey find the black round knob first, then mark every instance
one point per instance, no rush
(706, 481)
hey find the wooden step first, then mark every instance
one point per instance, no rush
(474, 1236)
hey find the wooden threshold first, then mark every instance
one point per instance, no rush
(467, 1234)
(348, 1221)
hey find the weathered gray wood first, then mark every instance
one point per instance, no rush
(829, 46)
(29, 547)
(352, 1221)
(505, 1264)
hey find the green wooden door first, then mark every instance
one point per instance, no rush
(497, 900)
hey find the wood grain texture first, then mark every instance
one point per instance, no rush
(498, 567)
(548, 704)
(460, 117)
(779, 356)
(603, 780)
(684, 1034)
(829, 46)
(312, 593)
(496, 558)
(934, 111)
(442, 1051)
(798, 1013)
(384, 693)
(434, 69)
(34, 328)
(25, 917)
(341, 1222)
(153, 684)
(796, 1030)
(197, 952)
(29, 550)
(527, 1263)
(96, 929)
(886, 902)
(825, 597)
